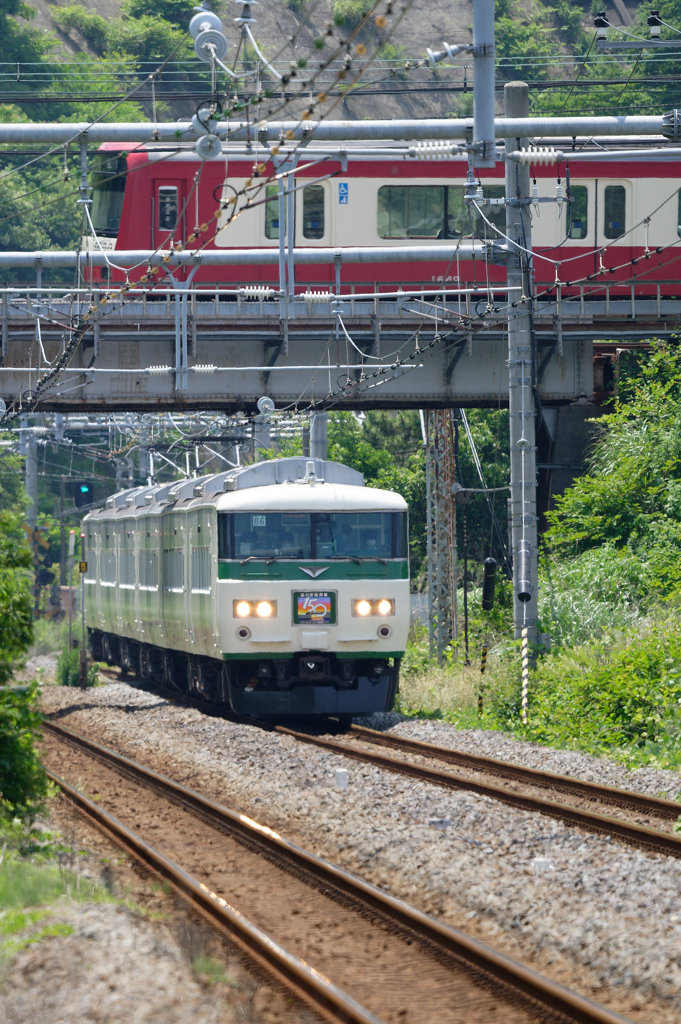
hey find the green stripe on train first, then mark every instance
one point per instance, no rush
(393, 570)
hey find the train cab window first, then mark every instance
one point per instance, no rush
(435, 211)
(313, 211)
(272, 534)
(272, 212)
(615, 207)
(109, 175)
(167, 208)
(353, 535)
(579, 224)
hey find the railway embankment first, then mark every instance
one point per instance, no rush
(587, 911)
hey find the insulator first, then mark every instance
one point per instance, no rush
(432, 150)
(539, 155)
(535, 191)
(488, 584)
(560, 196)
(204, 368)
(156, 371)
(479, 194)
(309, 296)
(523, 575)
(254, 292)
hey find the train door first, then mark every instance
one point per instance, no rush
(174, 582)
(168, 215)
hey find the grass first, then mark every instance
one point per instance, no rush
(212, 971)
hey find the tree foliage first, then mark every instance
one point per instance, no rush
(631, 497)
(23, 783)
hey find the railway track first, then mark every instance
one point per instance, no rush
(361, 746)
(359, 741)
(473, 980)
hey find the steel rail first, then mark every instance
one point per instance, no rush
(307, 984)
(638, 835)
(509, 976)
(658, 806)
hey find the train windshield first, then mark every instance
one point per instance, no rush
(308, 535)
(109, 176)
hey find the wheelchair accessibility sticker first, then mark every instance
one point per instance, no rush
(343, 193)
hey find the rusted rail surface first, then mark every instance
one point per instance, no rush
(638, 835)
(306, 984)
(658, 806)
(516, 979)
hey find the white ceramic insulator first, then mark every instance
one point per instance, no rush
(204, 368)
(431, 150)
(540, 155)
(158, 370)
(559, 193)
(254, 292)
(317, 296)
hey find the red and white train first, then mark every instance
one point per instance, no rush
(622, 226)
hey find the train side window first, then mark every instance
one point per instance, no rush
(411, 211)
(272, 212)
(167, 208)
(313, 211)
(615, 211)
(579, 224)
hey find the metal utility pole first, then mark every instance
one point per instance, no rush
(319, 435)
(521, 378)
(72, 548)
(62, 532)
(483, 83)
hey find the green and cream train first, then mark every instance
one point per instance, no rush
(280, 588)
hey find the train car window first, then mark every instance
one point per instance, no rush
(411, 211)
(167, 208)
(313, 211)
(148, 570)
(435, 211)
(615, 206)
(270, 534)
(272, 213)
(353, 535)
(579, 224)
(109, 176)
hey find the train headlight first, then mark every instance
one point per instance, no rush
(382, 606)
(254, 609)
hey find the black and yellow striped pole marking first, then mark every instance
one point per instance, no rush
(483, 666)
(525, 652)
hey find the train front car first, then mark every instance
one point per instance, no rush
(313, 593)
(279, 589)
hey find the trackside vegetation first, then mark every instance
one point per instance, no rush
(610, 576)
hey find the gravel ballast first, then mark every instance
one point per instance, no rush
(599, 916)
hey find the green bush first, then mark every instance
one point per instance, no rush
(615, 694)
(23, 782)
(68, 669)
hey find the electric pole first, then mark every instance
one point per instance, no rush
(521, 377)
